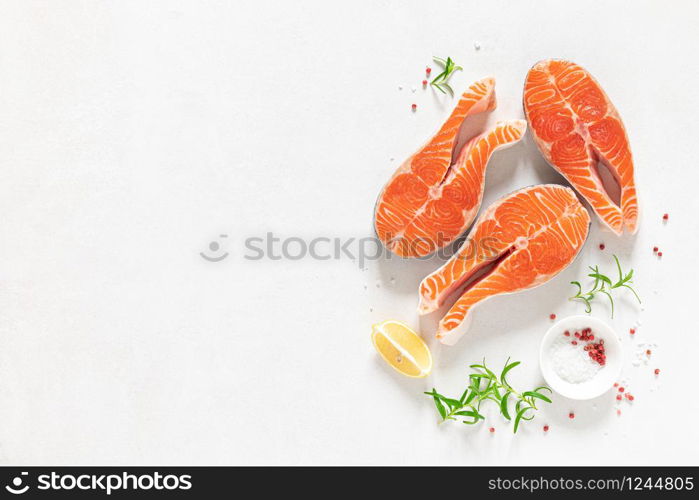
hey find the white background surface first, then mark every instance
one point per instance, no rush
(133, 133)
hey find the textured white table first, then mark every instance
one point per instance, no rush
(133, 133)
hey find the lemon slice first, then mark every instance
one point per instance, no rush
(402, 348)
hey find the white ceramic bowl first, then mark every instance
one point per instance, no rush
(604, 379)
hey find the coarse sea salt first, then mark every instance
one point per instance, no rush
(640, 355)
(571, 362)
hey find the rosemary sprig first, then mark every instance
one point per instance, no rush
(485, 385)
(603, 284)
(440, 81)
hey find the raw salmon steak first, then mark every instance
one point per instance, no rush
(521, 241)
(577, 128)
(432, 198)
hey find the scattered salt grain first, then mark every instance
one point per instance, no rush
(476, 45)
(640, 353)
(572, 363)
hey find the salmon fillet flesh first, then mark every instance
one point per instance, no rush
(577, 129)
(432, 198)
(519, 242)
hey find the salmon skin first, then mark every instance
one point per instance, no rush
(576, 127)
(431, 200)
(521, 241)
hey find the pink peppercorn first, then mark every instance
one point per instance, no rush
(657, 371)
(546, 428)
(552, 316)
(601, 246)
(571, 415)
(492, 429)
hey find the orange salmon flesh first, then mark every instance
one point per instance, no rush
(431, 200)
(521, 241)
(577, 128)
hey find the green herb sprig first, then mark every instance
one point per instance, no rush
(485, 385)
(603, 284)
(440, 81)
